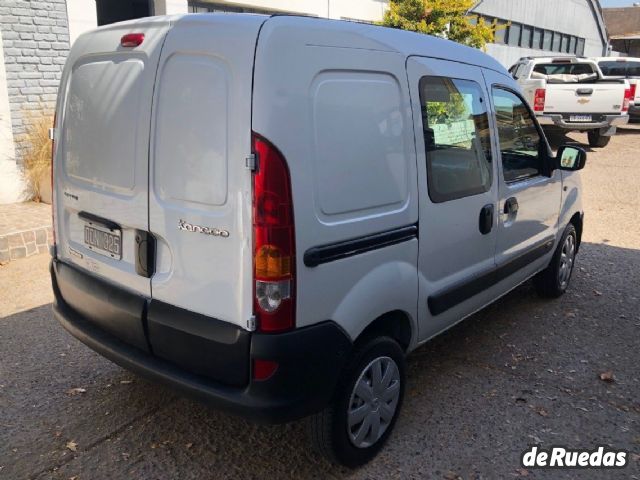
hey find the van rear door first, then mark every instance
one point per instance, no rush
(102, 150)
(200, 187)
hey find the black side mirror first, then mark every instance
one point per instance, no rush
(570, 158)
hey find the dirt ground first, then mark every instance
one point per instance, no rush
(523, 371)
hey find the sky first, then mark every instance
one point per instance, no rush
(617, 3)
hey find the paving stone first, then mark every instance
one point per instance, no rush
(41, 236)
(29, 236)
(4, 243)
(4, 257)
(31, 248)
(15, 241)
(19, 252)
(43, 249)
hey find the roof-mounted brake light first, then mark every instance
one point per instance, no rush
(131, 40)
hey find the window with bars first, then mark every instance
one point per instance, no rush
(527, 36)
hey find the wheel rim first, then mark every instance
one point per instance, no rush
(373, 402)
(567, 256)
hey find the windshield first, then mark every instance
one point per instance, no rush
(620, 68)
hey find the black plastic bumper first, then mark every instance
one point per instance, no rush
(309, 359)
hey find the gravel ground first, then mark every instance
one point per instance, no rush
(523, 371)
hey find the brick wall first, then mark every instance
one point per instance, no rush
(35, 35)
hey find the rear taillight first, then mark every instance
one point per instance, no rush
(274, 242)
(539, 99)
(629, 94)
(53, 192)
(627, 100)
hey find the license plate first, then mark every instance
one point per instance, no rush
(580, 118)
(105, 241)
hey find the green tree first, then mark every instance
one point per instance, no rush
(442, 18)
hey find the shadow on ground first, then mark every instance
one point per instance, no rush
(523, 371)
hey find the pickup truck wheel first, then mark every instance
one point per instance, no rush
(553, 281)
(357, 423)
(597, 140)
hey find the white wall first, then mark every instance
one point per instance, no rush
(170, 7)
(11, 182)
(82, 16)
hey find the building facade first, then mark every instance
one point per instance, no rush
(36, 35)
(544, 27)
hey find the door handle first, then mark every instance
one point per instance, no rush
(145, 253)
(511, 206)
(485, 222)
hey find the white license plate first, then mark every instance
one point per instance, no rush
(580, 118)
(102, 240)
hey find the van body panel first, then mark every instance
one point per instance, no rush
(102, 147)
(200, 188)
(345, 131)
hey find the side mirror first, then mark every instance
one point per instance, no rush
(571, 158)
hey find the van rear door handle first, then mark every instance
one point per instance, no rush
(511, 206)
(485, 222)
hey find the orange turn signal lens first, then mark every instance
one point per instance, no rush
(270, 263)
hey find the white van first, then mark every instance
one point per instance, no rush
(270, 213)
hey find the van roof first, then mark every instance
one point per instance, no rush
(359, 35)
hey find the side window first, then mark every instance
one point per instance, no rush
(520, 142)
(456, 136)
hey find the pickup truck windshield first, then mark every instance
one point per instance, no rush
(620, 68)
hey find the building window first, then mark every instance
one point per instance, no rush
(357, 20)
(547, 40)
(580, 46)
(572, 45)
(537, 39)
(556, 42)
(197, 7)
(525, 38)
(514, 34)
(500, 32)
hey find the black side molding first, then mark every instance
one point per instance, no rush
(444, 300)
(335, 251)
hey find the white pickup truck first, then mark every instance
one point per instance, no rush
(629, 69)
(571, 93)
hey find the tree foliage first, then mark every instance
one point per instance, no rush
(442, 18)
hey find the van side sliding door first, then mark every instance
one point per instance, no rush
(458, 191)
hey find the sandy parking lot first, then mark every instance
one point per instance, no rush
(523, 371)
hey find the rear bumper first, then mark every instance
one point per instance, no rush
(559, 121)
(634, 111)
(310, 359)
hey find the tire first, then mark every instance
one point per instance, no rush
(329, 429)
(597, 140)
(553, 281)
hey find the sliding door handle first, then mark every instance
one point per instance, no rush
(485, 222)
